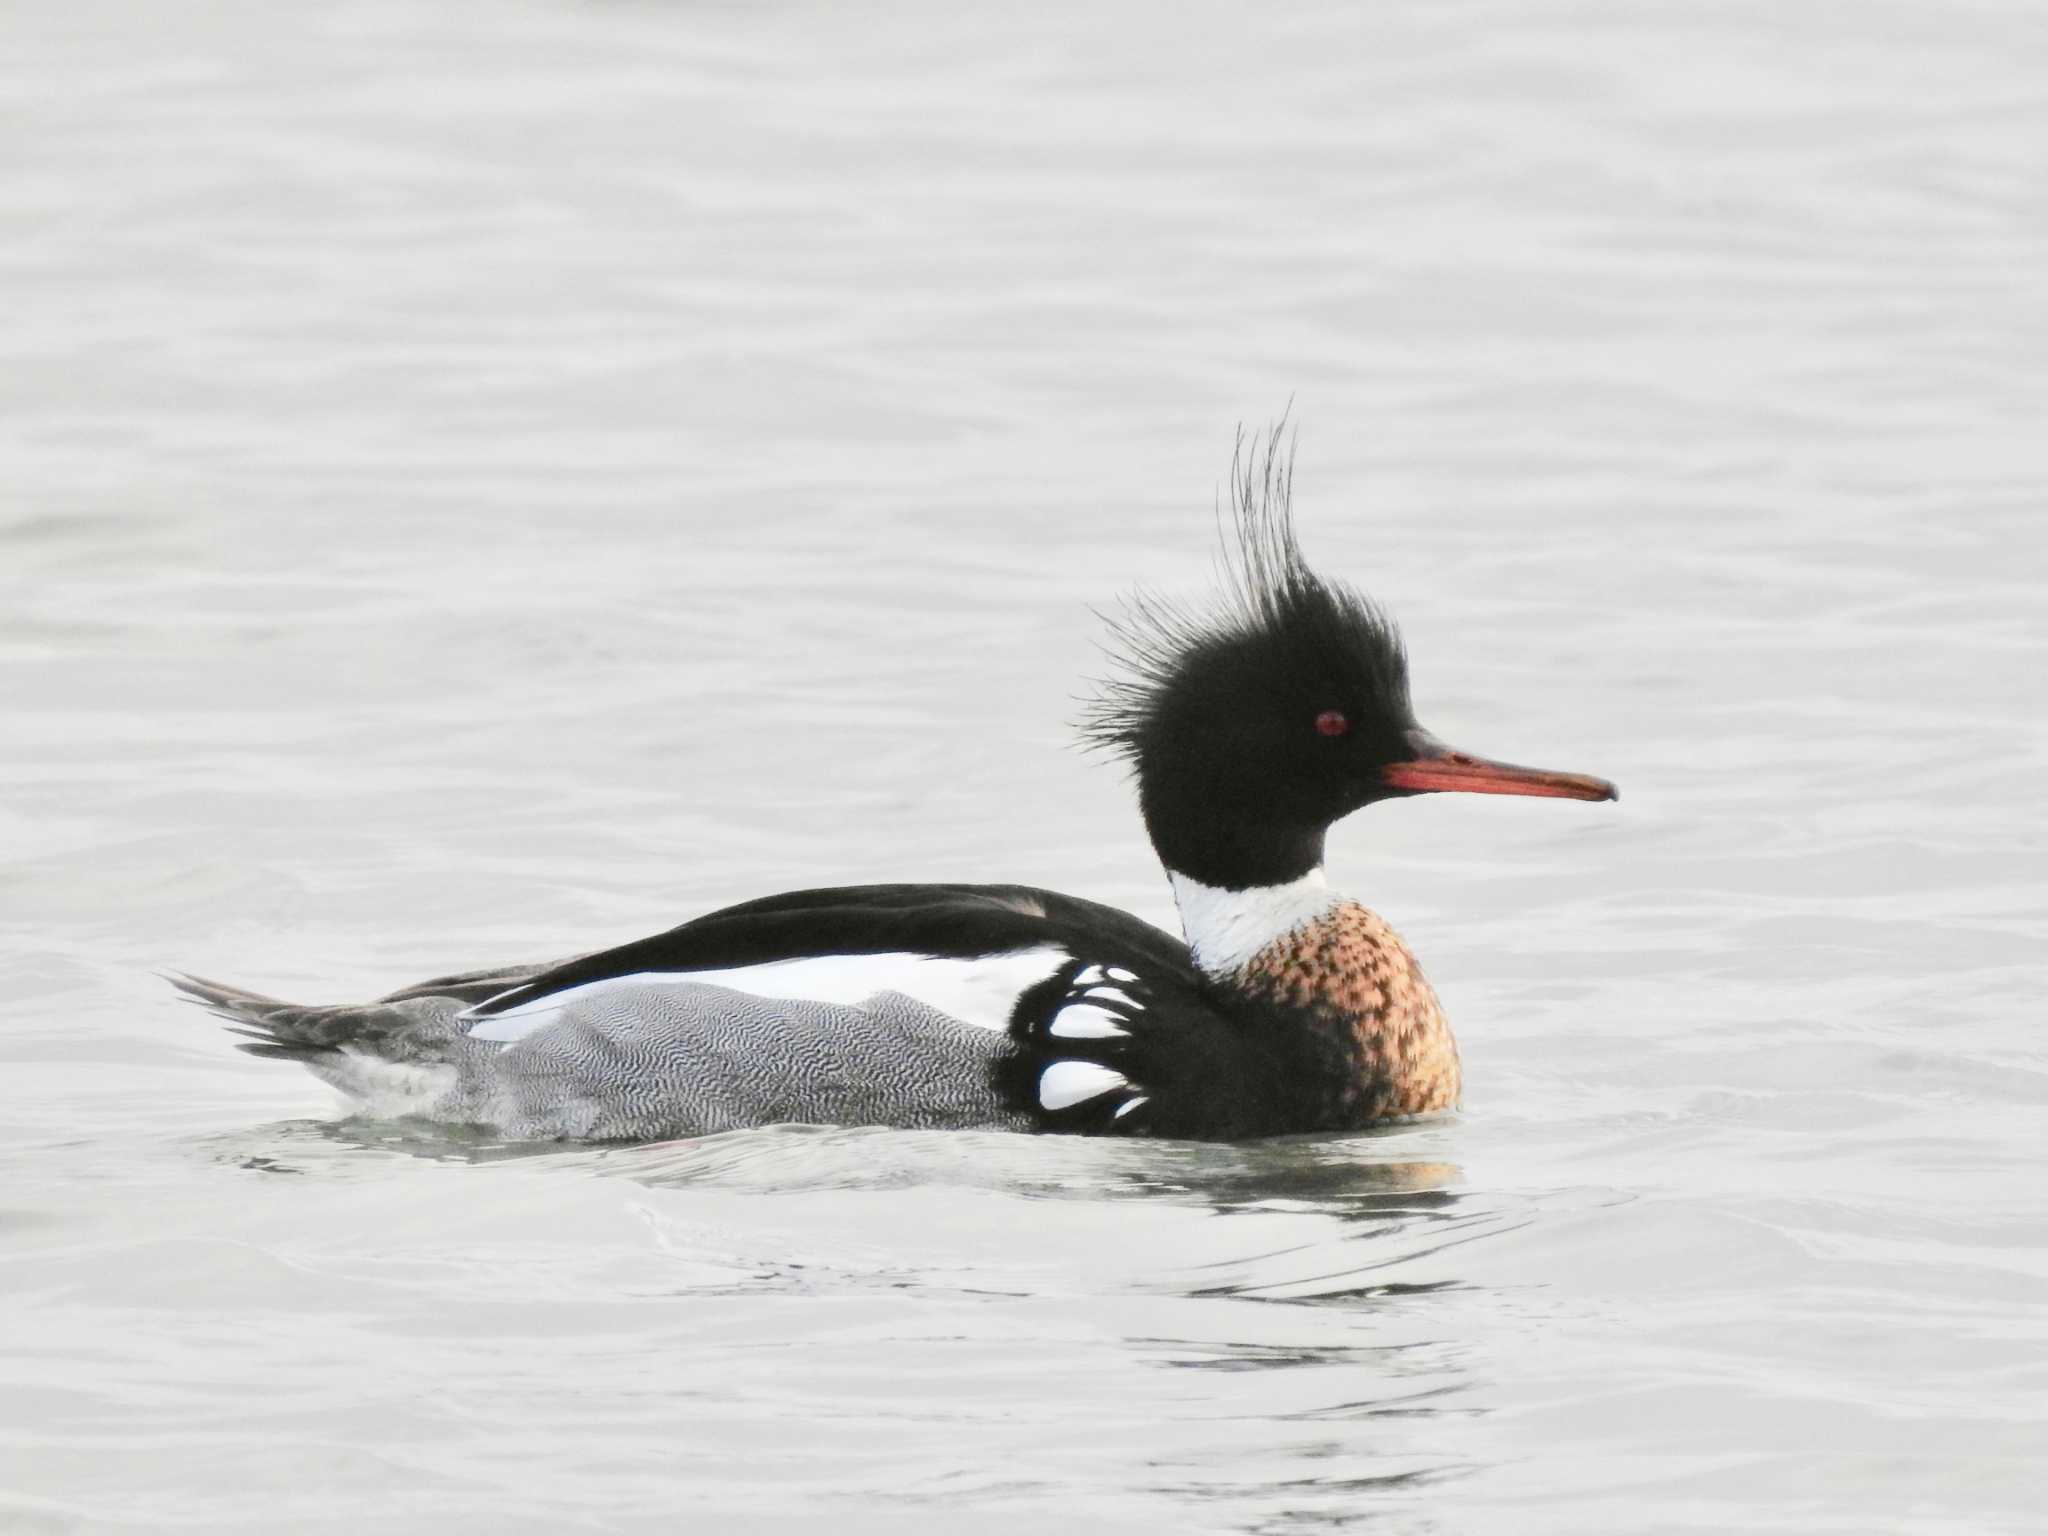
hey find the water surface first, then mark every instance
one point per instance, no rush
(479, 484)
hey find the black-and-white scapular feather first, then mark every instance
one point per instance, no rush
(946, 1006)
(1055, 987)
(1286, 1007)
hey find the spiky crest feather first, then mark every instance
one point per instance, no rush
(1269, 596)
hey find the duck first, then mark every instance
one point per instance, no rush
(1251, 725)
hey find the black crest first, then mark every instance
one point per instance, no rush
(1272, 607)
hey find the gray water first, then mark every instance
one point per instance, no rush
(483, 481)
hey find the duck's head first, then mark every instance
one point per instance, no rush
(1254, 726)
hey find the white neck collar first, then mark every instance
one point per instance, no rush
(1226, 928)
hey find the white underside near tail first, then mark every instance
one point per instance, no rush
(981, 991)
(385, 1089)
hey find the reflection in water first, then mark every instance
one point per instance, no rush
(332, 1147)
(1349, 1176)
(1360, 1220)
(1297, 1303)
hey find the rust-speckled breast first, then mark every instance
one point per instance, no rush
(1349, 973)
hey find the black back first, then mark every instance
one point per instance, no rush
(960, 922)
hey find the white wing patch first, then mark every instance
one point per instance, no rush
(1067, 1083)
(981, 991)
(1084, 1021)
(1096, 975)
(1112, 995)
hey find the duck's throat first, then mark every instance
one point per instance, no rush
(1328, 967)
(1226, 928)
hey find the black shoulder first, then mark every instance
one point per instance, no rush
(946, 921)
(1137, 1050)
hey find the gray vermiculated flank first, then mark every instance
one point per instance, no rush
(640, 1061)
(644, 1061)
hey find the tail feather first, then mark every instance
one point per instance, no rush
(282, 1031)
(248, 1014)
(216, 996)
(395, 1057)
(471, 987)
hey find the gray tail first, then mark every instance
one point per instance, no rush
(291, 1032)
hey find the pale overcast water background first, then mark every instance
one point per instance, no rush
(485, 481)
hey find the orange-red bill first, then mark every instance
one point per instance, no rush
(1439, 768)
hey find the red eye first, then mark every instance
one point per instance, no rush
(1333, 722)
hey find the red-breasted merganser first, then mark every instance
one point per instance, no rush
(1288, 1008)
